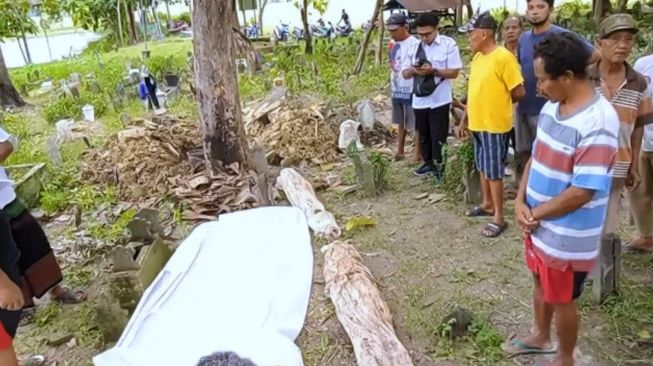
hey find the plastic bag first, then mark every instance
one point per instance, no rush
(349, 133)
(366, 115)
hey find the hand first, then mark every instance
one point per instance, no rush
(525, 218)
(461, 132)
(633, 179)
(11, 297)
(424, 70)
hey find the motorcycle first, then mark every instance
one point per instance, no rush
(321, 30)
(343, 31)
(252, 31)
(298, 33)
(281, 32)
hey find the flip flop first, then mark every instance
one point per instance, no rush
(70, 297)
(517, 347)
(38, 360)
(478, 211)
(493, 230)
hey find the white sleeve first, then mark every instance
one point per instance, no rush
(4, 136)
(453, 57)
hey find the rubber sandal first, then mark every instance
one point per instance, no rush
(478, 211)
(493, 230)
(38, 360)
(517, 347)
(70, 297)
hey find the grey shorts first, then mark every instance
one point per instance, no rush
(525, 131)
(403, 115)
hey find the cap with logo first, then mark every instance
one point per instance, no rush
(483, 20)
(617, 22)
(396, 21)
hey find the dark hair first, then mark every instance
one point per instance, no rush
(563, 52)
(550, 2)
(224, 359)
(427, 20)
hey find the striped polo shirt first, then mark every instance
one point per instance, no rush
(632, 108)
(579, 151)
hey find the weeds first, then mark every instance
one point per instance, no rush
(458, 160)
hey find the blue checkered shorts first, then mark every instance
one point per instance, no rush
(490, 151)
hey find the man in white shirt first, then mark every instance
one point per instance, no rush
(641, 199)
(436, 61)
(402, 51)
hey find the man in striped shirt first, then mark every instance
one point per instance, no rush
(625, 88)
(562, 198)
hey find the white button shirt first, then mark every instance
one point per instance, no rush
(7, 193)
(443, 54)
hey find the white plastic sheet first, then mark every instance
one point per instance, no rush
(240, 284)
(349, 133)
(300, 193)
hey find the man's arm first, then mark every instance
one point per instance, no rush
(6, 148)
(518, 93)
(571, 199)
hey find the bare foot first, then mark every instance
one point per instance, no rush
(643, 244)
(532, 344)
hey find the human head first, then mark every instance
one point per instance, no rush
(539, 11)
(397, 25)
(224, 359)
(560, 62)
(617, 37)
(427, 27)
(481, 29)
(511, 28)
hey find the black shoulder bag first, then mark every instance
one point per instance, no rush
(423, 86)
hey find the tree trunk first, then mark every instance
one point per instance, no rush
(119, 23)
(470, 9)
(379, 42)
(132, 23)
(22, 52)
(29, 56)
(168, 12)
(242, 10)
(459, 15)
(47, 42)
(601, 8)
(217, 81)
(308, 37)
(8, 94)
(362, 51)
(263, 4)
(622, 6)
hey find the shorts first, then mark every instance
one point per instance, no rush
(403, 115)
(558, 287)
(8, 319)
(525, 132)
(490, 150)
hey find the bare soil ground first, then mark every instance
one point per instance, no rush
(428, 259)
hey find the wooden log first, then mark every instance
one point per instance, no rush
(360, 308)
(607, 274)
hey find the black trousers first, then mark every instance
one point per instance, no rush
(433, 128)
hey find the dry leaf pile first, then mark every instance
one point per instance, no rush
(293, 135)
(148, 161)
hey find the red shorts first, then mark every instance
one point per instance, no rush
(5, 339)
(558, 287)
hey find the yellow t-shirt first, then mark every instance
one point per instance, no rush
(491, 78)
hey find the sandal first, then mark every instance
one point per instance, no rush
(478, 211)
(517, 347)
(38, 360)
(70, 297)
(493, 230)
(641, 245)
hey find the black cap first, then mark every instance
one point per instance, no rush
(396, 21)
(479, 21)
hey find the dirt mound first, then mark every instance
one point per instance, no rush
(149, 160)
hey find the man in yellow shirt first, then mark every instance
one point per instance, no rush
(495, 83)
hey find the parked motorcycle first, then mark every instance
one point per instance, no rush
(343, 31)
(321, 30)
(298, 33)
(252, 31)
(281, 32)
